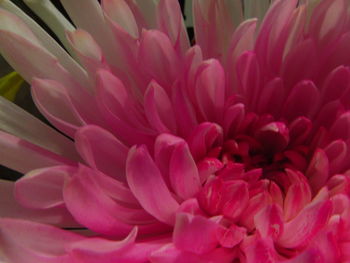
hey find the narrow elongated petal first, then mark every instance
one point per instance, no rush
(49, 43)
(18, 122)
(158, 57)
(170, 21)
(23, 156)
(147, 184)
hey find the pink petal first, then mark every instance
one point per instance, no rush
(96, 250)
(170, 254)
(341, 127)
(49, 246)
(183, 172)
(233, 117)
(102, 151)
(170, 21)
(336, 152)
(183, 110)
(271, 99)
(248, 72)
(297, 197)
(23, 156)
(301, 101)
(158, 57)
(242, 40)
(203, 138)
(54, 102)
(20, 123)
(232, 236)
(92, 206)
(318, 170)
(42, 188)
(148, 186)
(10, 207)
(300, 230)
(336, 84)
(158, 109)
(210, 90)
(195, 234)
(88, 51)
(269, 222)
(98, 29)
(120, 13)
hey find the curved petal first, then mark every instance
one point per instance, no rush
(102, 151)
(148, 186)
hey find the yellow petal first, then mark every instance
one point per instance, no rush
(10, 85)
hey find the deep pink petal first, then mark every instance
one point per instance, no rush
(183, 172)
(148, 186)
(195, 234)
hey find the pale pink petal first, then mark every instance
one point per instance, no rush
(148, 186)
(170, 21)
(88, 51)
(10, 207)
(23, 156)
(158, 109)
(54, 102)
(158, 58)
(50, 243)
(102, 151)
(42, 188)
(93, 12)
(242, 40)
(120, 13)
(20, 123)
(49, 43)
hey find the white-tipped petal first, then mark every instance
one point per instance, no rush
(20, 123)
(48, 42)
(52, 17)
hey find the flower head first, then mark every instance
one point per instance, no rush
(232, 150)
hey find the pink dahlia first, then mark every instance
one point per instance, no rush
(233, 150)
